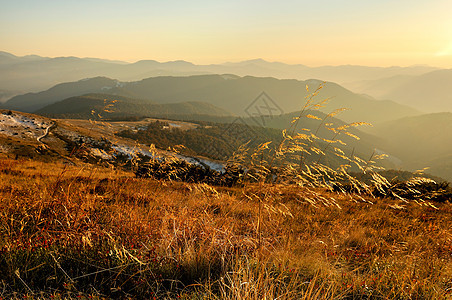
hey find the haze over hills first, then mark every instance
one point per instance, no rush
(378, 88)
(33, 101)
(420, 141)
(89, 106)
(33, 73)
(231, 93)
(430, 92)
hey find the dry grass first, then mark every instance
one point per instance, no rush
(70, 232)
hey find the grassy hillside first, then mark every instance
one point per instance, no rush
(113, 106)
(232, 93)
(365, 145)
(81, 232)
(213, 140)
(199, 139)
(220, 140)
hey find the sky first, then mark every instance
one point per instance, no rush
(313, 33)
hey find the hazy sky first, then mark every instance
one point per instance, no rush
(315, 32)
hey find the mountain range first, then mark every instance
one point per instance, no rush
(419, 141)
(430, 92)
(32, 66)
(237, 95)
(410, 107)
(34, 73)
(94, 106)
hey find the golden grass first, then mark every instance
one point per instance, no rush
(68, 231)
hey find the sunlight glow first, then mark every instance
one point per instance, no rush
(376, 33)
(447, 51)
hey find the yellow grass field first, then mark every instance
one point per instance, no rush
(90, 232)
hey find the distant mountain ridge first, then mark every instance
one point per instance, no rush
(231, 93)
(430, 92)
(31, 102)
(34, 73)
(419, 141)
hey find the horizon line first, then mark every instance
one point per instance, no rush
(119, 61)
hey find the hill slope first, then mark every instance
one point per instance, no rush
(33, 101)
(421, 141)
(114, 106)
(112, 230)
(431, 92)
(232, 93)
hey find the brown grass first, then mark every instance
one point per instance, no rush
(68, 232)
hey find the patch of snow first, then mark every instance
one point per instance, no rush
(202, 162)
(15, 124)
(174, 125)
(132, 152)
(105, 88)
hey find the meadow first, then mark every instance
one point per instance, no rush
(90, 232)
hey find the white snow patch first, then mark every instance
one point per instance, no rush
(132, 152)
(202, 162)
(17, 124)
